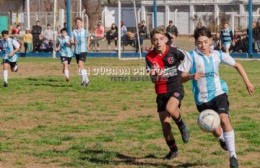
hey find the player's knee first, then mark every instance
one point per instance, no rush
(224, 120)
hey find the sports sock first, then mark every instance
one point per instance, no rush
(172, 145)
(66, 73)
(230, 142)
(179, 122)
(5, 75)
(81, 73)
(85, 74)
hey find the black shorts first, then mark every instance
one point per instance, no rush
(12, 64)
(219, 104)
(81, 57)
(64, 59)
(162, 99)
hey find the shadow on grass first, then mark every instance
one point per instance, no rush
(48, 82)
(101, 157)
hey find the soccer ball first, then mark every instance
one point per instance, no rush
(208, 120)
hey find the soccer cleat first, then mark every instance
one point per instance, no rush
(233, 163)
(223, 144)
(67, 79)
(185, 135)
(84, 84)
(5, 84)
(171, 155)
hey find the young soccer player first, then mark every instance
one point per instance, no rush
(210, 92)
(226, 36)
(163, 62)
(10, 49)
(65, 50)
(81, 41)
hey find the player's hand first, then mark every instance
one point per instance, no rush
(250, 88)
(10, 54)
(198, 75)
(158, 70)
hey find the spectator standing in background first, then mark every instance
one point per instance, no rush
(36, 32)
(172, 32)
(226, 36)
(99, 35)
(142, 34)
(48, 33)
(123, 32)
(27, 41)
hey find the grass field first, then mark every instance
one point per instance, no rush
(48, 123)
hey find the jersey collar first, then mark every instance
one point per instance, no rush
(165, 52)
(201, 54)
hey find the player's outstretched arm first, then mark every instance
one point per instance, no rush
(242, 72)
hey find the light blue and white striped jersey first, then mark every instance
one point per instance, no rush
(9, 46)
(80, 35)
(210, 85)
(65, 49)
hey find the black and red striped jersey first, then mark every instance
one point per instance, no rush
(170, 76)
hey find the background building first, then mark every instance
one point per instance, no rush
(186, 14)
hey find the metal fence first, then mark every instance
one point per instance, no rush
(185, 14)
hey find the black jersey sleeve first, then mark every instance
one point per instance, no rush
(149, 65)
(181, 55)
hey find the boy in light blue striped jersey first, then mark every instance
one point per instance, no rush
(10, 48)
(66, 53)
(81, 41)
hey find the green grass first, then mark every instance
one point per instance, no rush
(47, 122)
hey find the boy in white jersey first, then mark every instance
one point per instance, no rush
(210, 92)
(81, 41)
(65, 51)
(10, 49)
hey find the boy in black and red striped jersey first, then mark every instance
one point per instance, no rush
(162, 64)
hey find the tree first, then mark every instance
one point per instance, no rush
(93, 10)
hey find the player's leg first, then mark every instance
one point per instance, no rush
(14, 66)
(66, 70)
(82, 71)
(165, 119)
(172, 108)
(6, 66)
(218, 133)
(228, 132)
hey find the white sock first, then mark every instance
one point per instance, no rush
(221, 137)
(84, 75)
(230, 142)
(5, 75)
(66, 73)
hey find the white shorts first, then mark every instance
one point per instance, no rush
(226, 45)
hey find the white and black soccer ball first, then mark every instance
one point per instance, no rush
(208, 120)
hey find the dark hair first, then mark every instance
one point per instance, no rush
(170, 21)
(63, 29)
(18, 25)
(158, 30)
(78, 18)
(48, 24)
(4, 32)
(202, 31)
